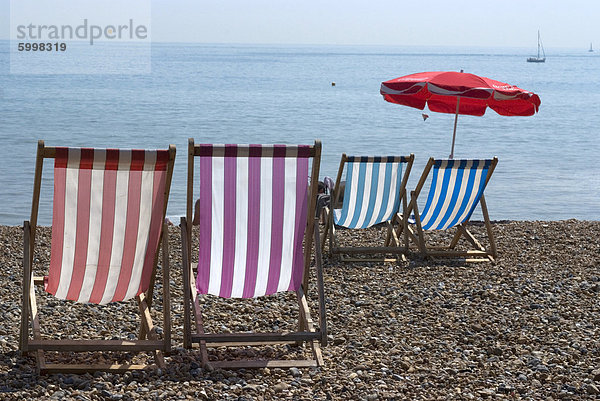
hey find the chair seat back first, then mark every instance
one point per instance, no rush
(373, 191)
(456, 188)
(108, 210)
(253, 217)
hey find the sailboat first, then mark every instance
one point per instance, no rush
(591, 50)
(538, 59)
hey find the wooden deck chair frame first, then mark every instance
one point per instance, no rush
(392, 245)
(479, 253)
(148, 339)
(308, 333)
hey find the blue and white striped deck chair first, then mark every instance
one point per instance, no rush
(456, 189)
(374, 193)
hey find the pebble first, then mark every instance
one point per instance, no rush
(428, 329)
(58, 395)
(280, 387)
(592, 389)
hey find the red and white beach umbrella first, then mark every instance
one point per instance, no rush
(459, 93)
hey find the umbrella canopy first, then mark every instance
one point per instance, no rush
(459, 93)
(440, 90)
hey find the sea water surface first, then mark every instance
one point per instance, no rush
(548, 166)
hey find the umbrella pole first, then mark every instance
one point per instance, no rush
(455, 122)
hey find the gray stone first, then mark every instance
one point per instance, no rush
(280, 387)
(592, 389)
(58, 395)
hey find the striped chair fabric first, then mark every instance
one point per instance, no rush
(106, 222)
(372, 193)
(253, 215)
(456, 187)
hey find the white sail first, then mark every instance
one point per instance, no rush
(538, 59)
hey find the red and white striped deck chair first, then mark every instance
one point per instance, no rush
(108, 216)
(257, 227)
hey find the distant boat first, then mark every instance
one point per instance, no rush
(591, 50)
(538, 59)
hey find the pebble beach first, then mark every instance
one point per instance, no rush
(526, 327)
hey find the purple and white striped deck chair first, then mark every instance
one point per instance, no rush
(256, 227)
(108, 217)
(374, 193)
(457, 187)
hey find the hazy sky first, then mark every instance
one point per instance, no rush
(563, 23)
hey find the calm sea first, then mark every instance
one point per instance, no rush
(548, 165)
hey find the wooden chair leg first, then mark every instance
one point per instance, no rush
(388, 234)
(459, 231)
(302, 324)
(35, 323)
(143, 332)
(420, 234)
(166, 272)
(305, 311)
(471, 238)
(149, 329)
(488, 227)
(25, 308)
(149, 296)
(321, 292)
(187, 274)
(197, 309)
